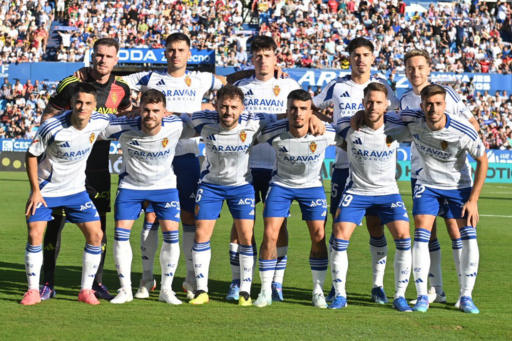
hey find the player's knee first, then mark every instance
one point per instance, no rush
(318, 236)
(95, 237)
(150, 217)
(35, 237)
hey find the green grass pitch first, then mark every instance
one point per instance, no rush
(63, 318)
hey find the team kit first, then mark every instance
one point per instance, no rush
(265, 140)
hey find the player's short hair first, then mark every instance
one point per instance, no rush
(152, 96)
(299, 95)
(417, 53)
(263, 43)
(360, 42)
(432, 90)
(106, 42)
(176, 37)
(376, 86)
(87, 88)
(230, 92)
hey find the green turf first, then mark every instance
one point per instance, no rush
(64, 318)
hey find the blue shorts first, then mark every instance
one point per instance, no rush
(312, 201)
(210, 197)
(78, 208)
(165, 203)
(260, 181)
(338, 181)
(429, 201)
(187, 170)
(444, 212)
(388, 208)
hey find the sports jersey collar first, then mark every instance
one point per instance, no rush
(448, 120)
(257, 80)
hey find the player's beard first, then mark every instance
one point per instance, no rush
(151, 123)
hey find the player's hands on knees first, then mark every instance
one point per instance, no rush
(33, 202)
(357, 121)
(279, 73)
(82, 73)
(470, 210)
(316, 126)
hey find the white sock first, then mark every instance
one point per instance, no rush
(246, 264)
(403, 263)
(90, 262)
(282, 259)
(202, 254)
(189, 232)
(421, 260)
(469, 260)
(169, 257)
(234, 260)
(339, 265)
(123, 257)
(33, 263)
(267, 270)
(379, 252)
(456, 252)
(148, 247)
(319, 270)
(435, 274)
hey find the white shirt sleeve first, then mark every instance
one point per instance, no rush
(324, 99)
(138, 81)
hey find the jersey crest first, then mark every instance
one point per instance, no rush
(389, 141)
(444, 145)
(196, 210)
(165, 141)
(276, 90)
(312, 146)
(188, 80)
(114, 98)
(91, 138)
(243, 135)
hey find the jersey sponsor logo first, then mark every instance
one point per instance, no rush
(243, 135)
(312, 146)
(249, 93)
(188, 81)
(91, 137)
(357, 141)
(302, 159)
(398, 204)
(139, 154)
(246, 201)
(261, 102)
(161, 82)
(172, 204)
(74, 155)
(65, 145)
(433, 152)
(227, 149)
(345, 94)
(318, 202)
(416, 136)
(351, 106)
(283, 150)
(377, 154)
(104, 110)
(211, 137)
(389, 141)
(86, 206)
(444, 145)
(179, 93)
(165, 141)
(134, 143)
(114, 98)
(276, 90)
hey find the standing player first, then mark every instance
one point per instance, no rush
(184, 92)
(299, 158)
(113, 96)
(57, 180)
(417, 70)
(263, 94)
(443, 142)
(229, 136)
(346, 93)
(148, 144)
(372, 188)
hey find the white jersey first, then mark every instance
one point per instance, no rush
(268, 97)
(147, 160)
(183, 94)
(64, 151)
(443, 153)
(227, 152)
(372, 155)
(299, 160)
(454, 107)
(347, 97)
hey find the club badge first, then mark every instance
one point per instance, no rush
(91, 138)
(114, 98)
(276, 90)
(389, 141)
(243, 135)
(165, 141)
(444, 145)
(188, 81)
(312, 147)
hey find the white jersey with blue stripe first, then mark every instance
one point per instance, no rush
(268, 97)
(299, 161)
(64, 151)
(372, 155)
(454, 107)
(182, 94)
(443, 153)
(347, 98)
(147, 160)
(227, 152)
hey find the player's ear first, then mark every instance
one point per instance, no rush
(389, 103)
(421, 106)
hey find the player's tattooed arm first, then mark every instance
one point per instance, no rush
(49, 112)
(35, 197)
(470, 208)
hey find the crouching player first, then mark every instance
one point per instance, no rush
(371, 188)
(57, 180)
(443, 142)
(296, 176)
(148, 143)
